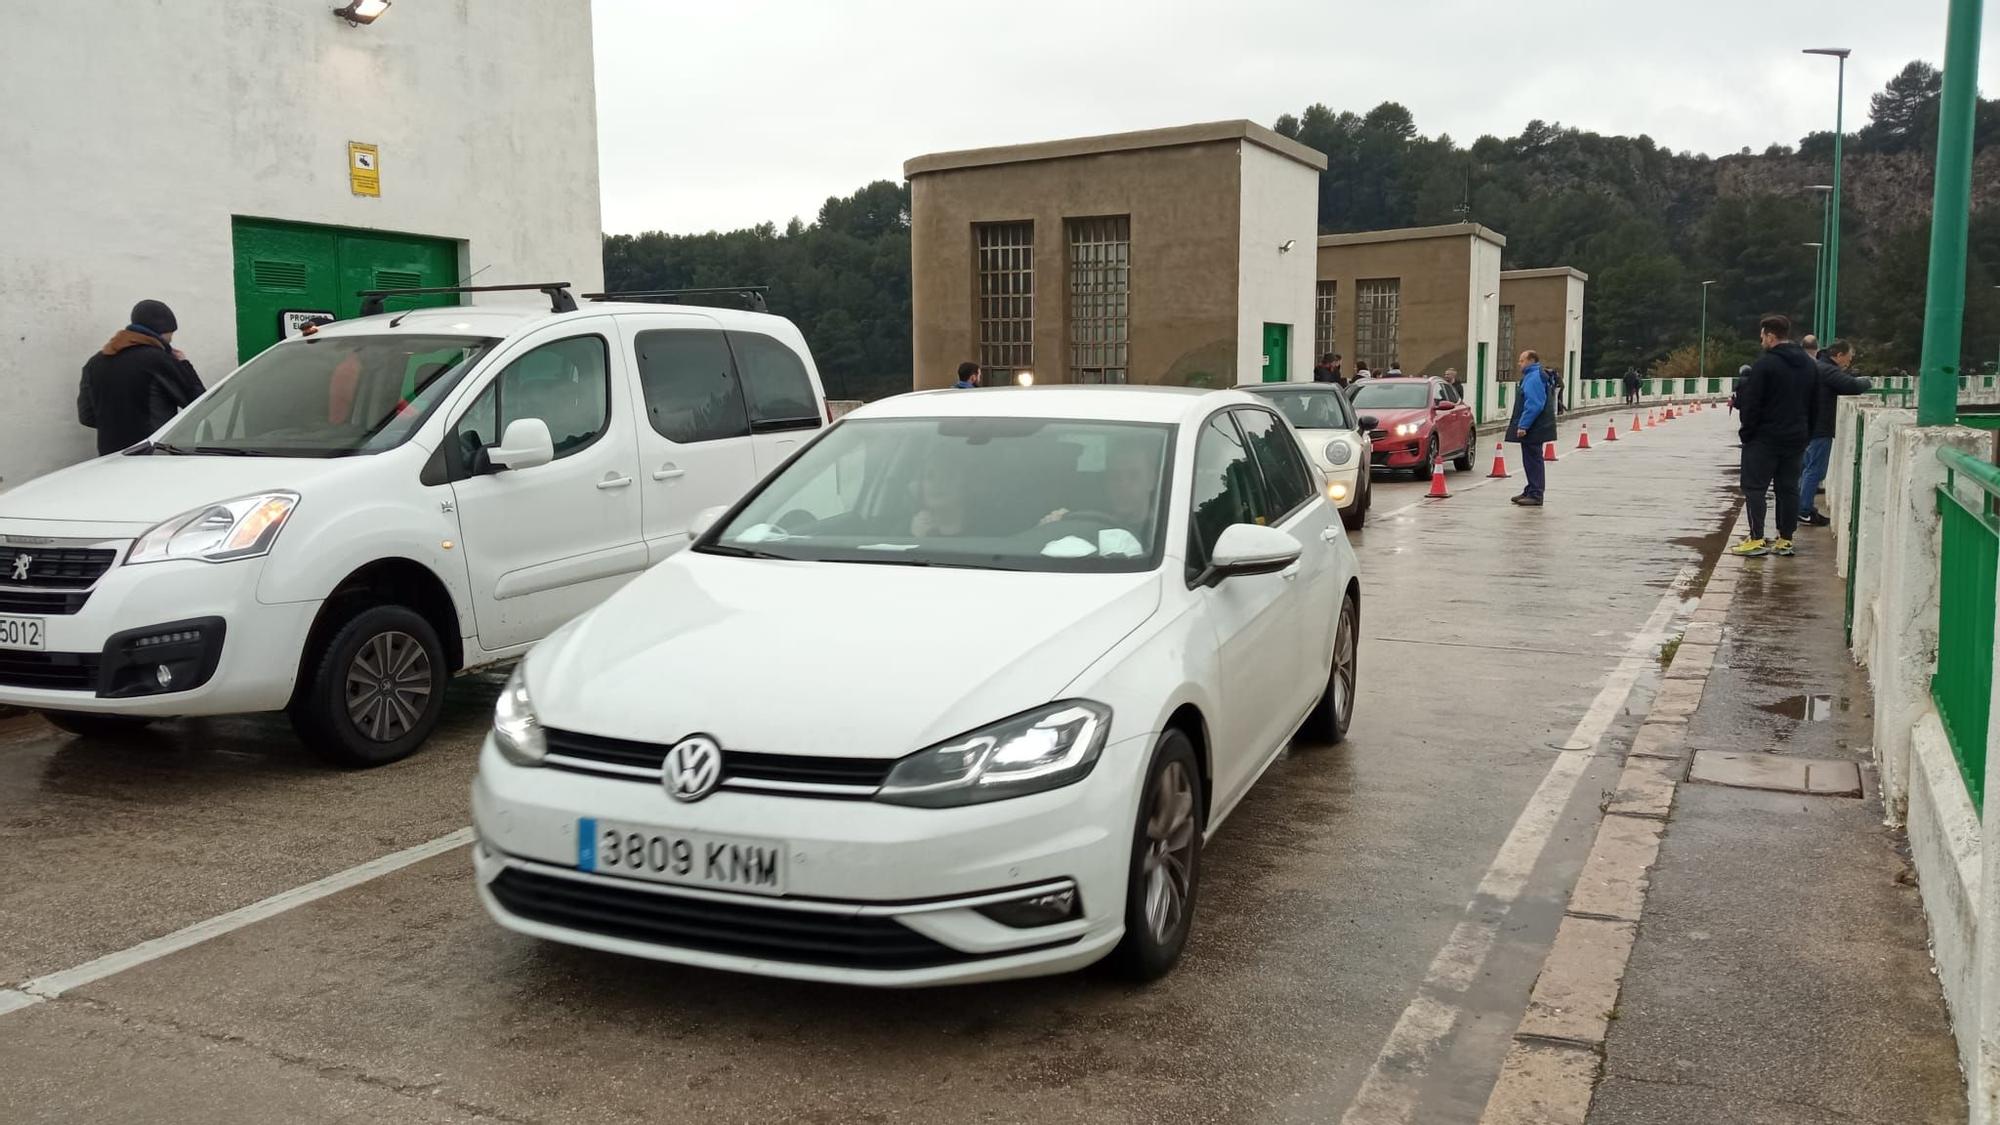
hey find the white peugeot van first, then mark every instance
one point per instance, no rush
(352, 516)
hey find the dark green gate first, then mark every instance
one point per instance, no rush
(285, 271)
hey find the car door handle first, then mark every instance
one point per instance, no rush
(1290, 573)
(614, 482)
(668, 472)
(1329, 534)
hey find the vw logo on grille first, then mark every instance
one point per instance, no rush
(22, 562)
(693, 768)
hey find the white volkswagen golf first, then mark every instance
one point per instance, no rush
(955, 695)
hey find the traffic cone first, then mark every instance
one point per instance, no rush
(1499, 459)
(1438, 490)
(1548, 451)
(1583, 437)
(1611, 430)
(1635, 421)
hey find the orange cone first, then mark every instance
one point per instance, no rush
(1583, 437)
(1548, 451)
(1635, 421)
(1438, 490)
(1611, 431)
(1499, 459)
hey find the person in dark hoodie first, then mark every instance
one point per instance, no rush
(137, 381)
(1775, 404)
(1834, 382)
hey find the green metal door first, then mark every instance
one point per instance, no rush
(294, 268)
(1479, 387)
(1277, 353)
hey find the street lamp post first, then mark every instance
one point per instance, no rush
(1819, 263)
(1825, 192)
(1833, 201)
(1951, 208)
(1702, 363)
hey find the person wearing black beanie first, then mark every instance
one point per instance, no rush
(138, 381)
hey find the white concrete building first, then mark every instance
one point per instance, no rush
(215, 156)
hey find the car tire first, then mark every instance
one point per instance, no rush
(1423, 471)
(1356, 514)
(374, 691)
(1463, 462)
(1327, 724)
(1165, 869)
(85, 725)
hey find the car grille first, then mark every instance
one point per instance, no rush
(42, 601)
(1377, 435)
(55, 671)
(72, 568)
(739, 929)
(741, 769)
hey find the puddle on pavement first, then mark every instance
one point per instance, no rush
(1802, 708)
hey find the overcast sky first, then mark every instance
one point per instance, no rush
(719, 116)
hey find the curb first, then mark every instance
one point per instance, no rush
(1557, 1056)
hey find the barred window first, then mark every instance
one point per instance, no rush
(1006, 265)
(1100, 299)
(1324, 340)
(1378, 304)
(1505, 368)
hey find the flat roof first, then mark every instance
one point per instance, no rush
(1547, 271)
(1175, 136)
(1414, 234)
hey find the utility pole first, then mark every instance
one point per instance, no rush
(1702, 363)
(1819, 263)
(1833, 202)
(1951, 204)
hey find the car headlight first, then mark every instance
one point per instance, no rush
(1046, 748)
(1338, 453)
(517, 731)
(242, 528)
(1407, 429)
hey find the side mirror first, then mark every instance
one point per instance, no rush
(1368, 422)
(525, 445)
(1245, 549)
(1441, 404)
(703, 520)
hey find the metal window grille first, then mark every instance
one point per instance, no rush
(1506, 369)
(1378, 306)
(1327, 301)
(1100, 299)
(1006, 266)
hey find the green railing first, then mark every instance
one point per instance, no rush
(1962, 687)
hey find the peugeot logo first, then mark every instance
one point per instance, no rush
(693, 768)
(21, 564)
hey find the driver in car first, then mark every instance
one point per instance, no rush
(1129, 480)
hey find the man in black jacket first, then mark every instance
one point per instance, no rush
(1775, 403)
(1834, 382)
(137, 381)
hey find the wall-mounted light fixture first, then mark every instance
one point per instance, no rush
(359, 12)
(1287, 247)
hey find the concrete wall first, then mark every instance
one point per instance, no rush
(140, 129)
(1548, 318)
(1483, 325)
(1445, 274)
(1280, 201)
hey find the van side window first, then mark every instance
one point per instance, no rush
(567, 384)
(689, 381)
(775, 383)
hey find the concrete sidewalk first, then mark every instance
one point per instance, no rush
(1780, 972)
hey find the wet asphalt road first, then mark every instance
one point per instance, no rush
(1487, 632)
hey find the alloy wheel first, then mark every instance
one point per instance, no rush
(1343, 668)
(388, 686)
(1170, 842)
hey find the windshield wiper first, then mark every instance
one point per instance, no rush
(152, 447)
(741, 552)
(232, 451)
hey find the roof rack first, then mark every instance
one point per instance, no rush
(753, 295)
(558, 292)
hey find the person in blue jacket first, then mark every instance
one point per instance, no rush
(1532, 427)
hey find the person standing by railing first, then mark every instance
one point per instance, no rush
(1834, 382)
(1775, 404)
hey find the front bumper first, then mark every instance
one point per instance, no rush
(1399, 453)
(259, 644)
(1342, 486)
(862, 878)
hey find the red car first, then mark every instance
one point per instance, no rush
(1416, 421)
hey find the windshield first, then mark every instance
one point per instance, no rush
(1311, 410)
(329, 396)
(1391, 396)
(989, 493)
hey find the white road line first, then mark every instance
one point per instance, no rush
(1422, 501)
(1390, 1092)
(55, 984)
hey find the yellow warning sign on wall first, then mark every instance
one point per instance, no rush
(364, 168)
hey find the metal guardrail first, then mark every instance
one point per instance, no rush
(1962, 686)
